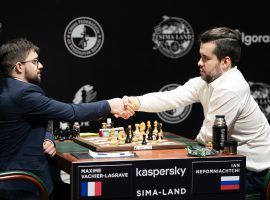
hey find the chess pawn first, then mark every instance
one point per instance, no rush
(159, 139)
(133, 137)
(103, 125)
(144, 142)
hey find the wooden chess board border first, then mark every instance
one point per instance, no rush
(172, 144)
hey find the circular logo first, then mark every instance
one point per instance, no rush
(85, 94)
(83, 37)
(261, 94)
(173, 37)
(176, 115)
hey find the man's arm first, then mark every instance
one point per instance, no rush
(36, 104)
(49, 144)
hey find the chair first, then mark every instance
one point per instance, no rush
(25, 175)
(267, 185)
(257, 196)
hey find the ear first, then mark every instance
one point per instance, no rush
(226, 63)
(19, 68)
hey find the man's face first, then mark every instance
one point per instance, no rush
(210, 66)
(32, 68)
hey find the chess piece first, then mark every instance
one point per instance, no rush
(109, 123)
(149, 131)
(121, 137)
(137, 133)
(103, 125)
(76, 130)
(129, 134)
(111, 135)
(142, 131)
(155, 131)
(112, 139)
(133, 137)
(144, 142)
(159, 138)
(209, 145)
(160, 131)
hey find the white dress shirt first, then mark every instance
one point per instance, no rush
(228, 95)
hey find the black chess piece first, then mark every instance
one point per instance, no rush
(160, 130)
(157, 137)
(149, 131)
(128, 137)
(144, 140)
(150, 136)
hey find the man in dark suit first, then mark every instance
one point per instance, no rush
(24, 112)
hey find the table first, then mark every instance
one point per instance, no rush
(152, 174)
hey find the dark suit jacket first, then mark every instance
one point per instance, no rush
(24, 111)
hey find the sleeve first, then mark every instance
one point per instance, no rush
(225, 103)
(168, 100)
(36, 104)
(49, 136)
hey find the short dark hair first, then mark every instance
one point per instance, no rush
(228, 43)
(14, 51)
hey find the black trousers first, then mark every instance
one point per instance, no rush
(254, 182)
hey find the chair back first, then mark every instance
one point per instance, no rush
(25, 175)
(267, 185)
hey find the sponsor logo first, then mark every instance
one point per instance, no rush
(173, 37)
(85, 94)
(161, 192)
(90, 189)
(261, 94)
(83, 37)
(176, 171)
(229, 182)
(176, 115)
(253, 39)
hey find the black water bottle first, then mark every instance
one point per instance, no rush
(219, 132)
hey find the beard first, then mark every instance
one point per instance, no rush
(208, 78)
(35, 79)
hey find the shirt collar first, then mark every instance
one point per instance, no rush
(220, 79)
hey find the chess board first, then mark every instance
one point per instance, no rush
(102, 144)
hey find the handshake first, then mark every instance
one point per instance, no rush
(124, 107)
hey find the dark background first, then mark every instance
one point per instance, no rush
(127, 63)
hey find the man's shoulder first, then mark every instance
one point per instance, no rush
(15, 89)
(18, 84)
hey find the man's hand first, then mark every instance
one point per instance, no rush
(119, 109)
(49, 148)
(133, 101)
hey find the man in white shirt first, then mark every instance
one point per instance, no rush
(222, 90)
